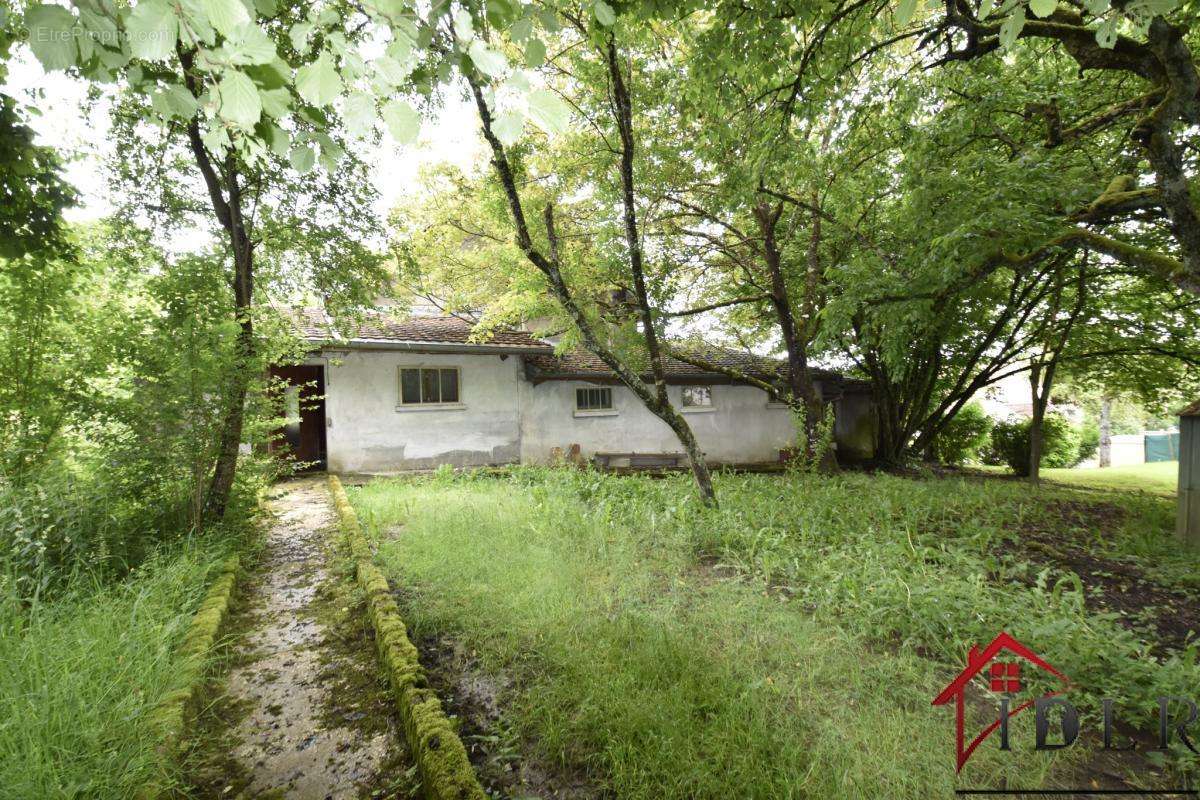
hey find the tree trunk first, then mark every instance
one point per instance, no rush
(656, 402)
(1105, 455)
(623, 108)
(1035, 423)
(804, 394)
(225, 469)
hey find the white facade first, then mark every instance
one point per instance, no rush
(368, 430)
(739, 427)
(502, 417)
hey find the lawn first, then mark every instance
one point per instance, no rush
(1159, 477)
(787, 644)
(80, 673)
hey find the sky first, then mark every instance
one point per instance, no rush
(66, 124)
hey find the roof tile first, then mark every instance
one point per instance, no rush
(377, 326)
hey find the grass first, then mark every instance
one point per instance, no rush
(787, 644)
(79, 674)
(1158, 477)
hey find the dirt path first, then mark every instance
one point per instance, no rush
(303, 713)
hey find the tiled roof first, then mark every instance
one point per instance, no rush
(1191, 411)
(315, 325)
(380, 328)
(582, 362)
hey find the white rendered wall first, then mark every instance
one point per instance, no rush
(739, 428)
(365, 432)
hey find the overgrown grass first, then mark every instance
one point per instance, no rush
(1158, 477)
(609, 601)
(79, 674)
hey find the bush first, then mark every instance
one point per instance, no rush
(1010, 444)
(1089, 440)
(962, 438)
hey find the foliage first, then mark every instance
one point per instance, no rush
(1089, 441)
(962, 438)
(110, 422)
(80, 674)
(1061, 445)
(648, 703)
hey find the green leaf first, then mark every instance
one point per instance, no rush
(402, 120)
(985, 8)
(302, 159)
(196, 18)
(521, 30)
(905, 11)
(508, 127)
(401, 48)
(1106, 34)
(358, 112)
(152, 29)
(226, 15)
(464, 28)
(331, 154)
(267, 8)
(1011, 28)
(278, 140)
(51, 36)
(391, 70)
(486, 60)
(548, 19)
(548, 111)
(240, 103)
(299, 35)
(275, 102)
(604, 13)
(535, 53)
(251, 45)
(1042, 8)
(319, 82)
(175, 101)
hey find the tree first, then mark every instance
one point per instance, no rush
(219, 82)
(610, 79)
(1159, 97)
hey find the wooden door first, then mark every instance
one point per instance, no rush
(302, 436)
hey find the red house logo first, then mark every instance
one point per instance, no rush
(1003, 676)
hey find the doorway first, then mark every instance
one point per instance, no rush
(302, 437)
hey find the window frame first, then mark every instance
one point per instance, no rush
(774, 402)
(691, 408)
(422, 405)
(598, 411)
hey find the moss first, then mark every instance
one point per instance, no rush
(167, 719)
(442, 763)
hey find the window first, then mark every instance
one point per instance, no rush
(593, 399)
(428, 385)
(775, 401)
(697, 397)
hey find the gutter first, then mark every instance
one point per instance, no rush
(430, 347)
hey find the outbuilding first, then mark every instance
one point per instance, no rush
(1187, 524)
(404, 394)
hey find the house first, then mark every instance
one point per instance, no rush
(417, 393)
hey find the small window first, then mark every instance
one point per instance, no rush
(593, 399)
(697, 397)
(425, 385)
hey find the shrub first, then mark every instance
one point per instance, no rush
(1060, 442)
(1010, 443)
(1089, 440)
(962, 438)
